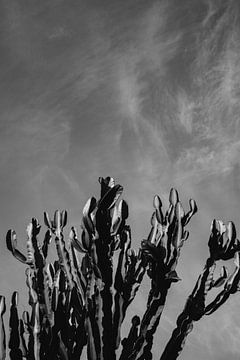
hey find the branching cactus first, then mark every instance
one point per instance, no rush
(82, 298)
(223, 245)
(162, 250)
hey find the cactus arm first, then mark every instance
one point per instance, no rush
(55, 291)
(92, 348)
(2, 329)
(14, 338)
(78, 277)
(64, 259)
(149, 325)
(36, 331)
(11, 240)
(46, 242)
(35, 255)
(196, 308)
(119, 314)
(63, 330)
(177, 341)
(99, 315)
(33, 326)
(66, 263)
(30, 279)
(94, 311)
(128, 277)
(119, 288)
(80, 280)
(46, 293)
(22, 346)
(129, 342)
(97, 302)
(193, 310)
(28, 330)
(56, 227)
(37, 261)
(162, 250)
(118, 318)
(106, 270)
(231, 286)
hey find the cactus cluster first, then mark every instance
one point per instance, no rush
(80, 300)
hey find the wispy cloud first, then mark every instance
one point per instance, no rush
(210, 110)
(200, 121)
(28, 131)
(153, 48)
(186, 109)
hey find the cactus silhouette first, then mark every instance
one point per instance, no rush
(2, 329)
(80, 300)
(223, 245)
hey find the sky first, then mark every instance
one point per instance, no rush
(145, 91)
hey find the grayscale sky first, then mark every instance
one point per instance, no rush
(145, 91)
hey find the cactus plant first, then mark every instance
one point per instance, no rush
(2, 329)
(223, 245)
(81, 299)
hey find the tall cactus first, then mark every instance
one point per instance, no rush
(81, 299)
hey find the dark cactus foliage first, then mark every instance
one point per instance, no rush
(81, 299)
(223, 245)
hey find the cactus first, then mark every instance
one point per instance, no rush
(2, 329)
(129, 274)
(223, 245)
(14, 338)
(162, 249)
(81, 299)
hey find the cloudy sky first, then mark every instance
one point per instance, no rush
(145, 91)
